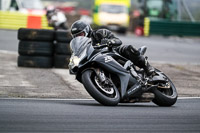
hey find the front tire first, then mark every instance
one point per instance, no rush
(94, 90)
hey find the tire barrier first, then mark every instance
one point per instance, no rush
(41, 48)
(62, 36)
(61, 61)
(36, 34)
(35, 48)
(62, 49)
(35, 61)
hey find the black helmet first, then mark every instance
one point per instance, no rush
(80, 28)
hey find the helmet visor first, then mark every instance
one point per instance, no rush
(79, 34)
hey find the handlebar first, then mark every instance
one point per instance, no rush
(100, 46)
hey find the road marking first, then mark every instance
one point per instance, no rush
(188, 97)
(46, 99)
(2, 76)
(8, 52)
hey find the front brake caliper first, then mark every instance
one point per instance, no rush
(101, 76)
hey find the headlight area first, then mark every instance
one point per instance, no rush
(73, 64)
(76, 60)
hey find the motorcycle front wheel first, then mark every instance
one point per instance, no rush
(107, 95)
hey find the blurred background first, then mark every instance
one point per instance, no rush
(140, 17)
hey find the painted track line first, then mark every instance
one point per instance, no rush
(46, 99)
(8, 52)
(188, 98)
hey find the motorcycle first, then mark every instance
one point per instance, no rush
(56, 19)
(111, 79)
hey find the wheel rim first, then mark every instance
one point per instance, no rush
(106, 89)
(166, 90)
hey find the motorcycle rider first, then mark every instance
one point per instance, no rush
(56, 18)
(80, 28)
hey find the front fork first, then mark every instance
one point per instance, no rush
(102, 77)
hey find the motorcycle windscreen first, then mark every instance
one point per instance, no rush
(79, 44)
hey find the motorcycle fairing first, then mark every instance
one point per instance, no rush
(159, 77)
(106, 61)
(112, 66)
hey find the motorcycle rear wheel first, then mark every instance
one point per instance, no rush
(88, 80)
(167, 97)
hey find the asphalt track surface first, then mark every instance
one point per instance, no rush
(39, 115)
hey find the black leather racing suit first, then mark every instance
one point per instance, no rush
(127, 51)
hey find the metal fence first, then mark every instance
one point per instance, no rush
(167, 27)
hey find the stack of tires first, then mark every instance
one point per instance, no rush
(62, 49)
(36, 48)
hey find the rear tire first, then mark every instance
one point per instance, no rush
(167, 98)
(94, 91)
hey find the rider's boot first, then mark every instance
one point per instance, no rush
(134, 55)
(148, 69)
(146, 66)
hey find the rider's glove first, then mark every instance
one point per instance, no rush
(104, 41)
(110, 42)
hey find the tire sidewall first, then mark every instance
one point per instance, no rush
(62, 48)
(35, 61)
(62, 36)
(35, 48)
(35, 34)
(61, 61)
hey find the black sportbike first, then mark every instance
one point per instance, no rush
(111, 79)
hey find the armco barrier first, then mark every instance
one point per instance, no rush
(166, 27)
(16, 20)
